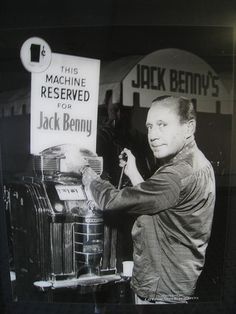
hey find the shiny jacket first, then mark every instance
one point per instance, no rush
(174, 210)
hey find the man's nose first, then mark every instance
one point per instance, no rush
(154, 135)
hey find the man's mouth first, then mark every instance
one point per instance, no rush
(157, 146)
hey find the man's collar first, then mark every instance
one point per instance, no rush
(186, 150)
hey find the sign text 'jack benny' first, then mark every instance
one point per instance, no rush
(64, 103)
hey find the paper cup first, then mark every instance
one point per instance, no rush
(128, 268)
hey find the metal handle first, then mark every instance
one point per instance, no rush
(121, 176)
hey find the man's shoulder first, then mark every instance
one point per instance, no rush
(197, 160)
(194, 162)
(181, 169)
(175, 170)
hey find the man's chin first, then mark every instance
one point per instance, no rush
(159, 155)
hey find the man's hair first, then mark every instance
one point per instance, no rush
(185, 107)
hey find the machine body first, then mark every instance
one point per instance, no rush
(57, 231)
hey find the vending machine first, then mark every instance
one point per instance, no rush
(58, 236)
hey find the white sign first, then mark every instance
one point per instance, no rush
(64, 103)
(176, 72)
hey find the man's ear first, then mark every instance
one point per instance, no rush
(191, 127)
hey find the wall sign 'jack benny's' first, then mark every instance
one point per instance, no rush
(173, 72)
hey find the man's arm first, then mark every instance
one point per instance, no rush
(156, 194)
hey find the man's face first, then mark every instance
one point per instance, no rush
(166, 135)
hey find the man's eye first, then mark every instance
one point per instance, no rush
(161, 124)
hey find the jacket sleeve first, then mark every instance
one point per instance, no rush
(158, 193)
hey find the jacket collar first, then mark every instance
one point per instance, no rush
(183, 153)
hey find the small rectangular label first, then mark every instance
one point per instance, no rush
(70, 192)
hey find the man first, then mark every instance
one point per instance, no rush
(174, 207)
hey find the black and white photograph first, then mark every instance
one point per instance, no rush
(117, 161)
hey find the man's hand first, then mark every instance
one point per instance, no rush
(127, 160)
(88, 175)
(130, 166)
